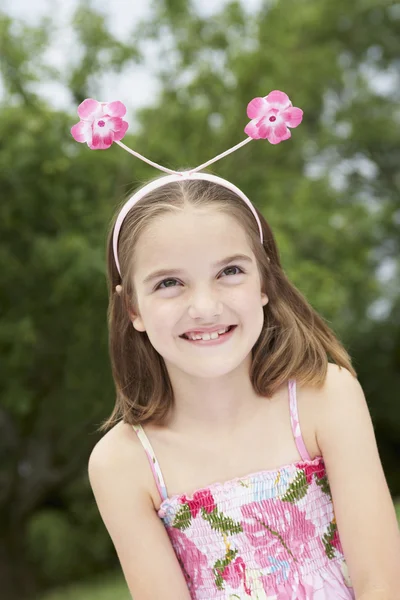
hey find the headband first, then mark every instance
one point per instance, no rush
(101, 124)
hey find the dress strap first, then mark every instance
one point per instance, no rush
(155, 467)
(294, 418)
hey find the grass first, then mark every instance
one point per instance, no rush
(111, 586)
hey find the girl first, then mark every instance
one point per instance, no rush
(241, 461)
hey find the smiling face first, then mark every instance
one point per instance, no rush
(198, 289)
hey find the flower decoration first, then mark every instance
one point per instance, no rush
(100, 124)
(271, 117)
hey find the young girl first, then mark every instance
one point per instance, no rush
(241, 462)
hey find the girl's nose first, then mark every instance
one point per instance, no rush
(204, 305)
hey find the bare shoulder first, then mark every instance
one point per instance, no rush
(121, 477)
(120, 455)
(340, 398)
(119, 437)
(339, 377)
(318, 405)
(116, 447)
(339, 389)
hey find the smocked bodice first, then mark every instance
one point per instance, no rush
(270, 535)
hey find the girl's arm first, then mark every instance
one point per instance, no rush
(378, 595)
(364, 510)
(146, 555)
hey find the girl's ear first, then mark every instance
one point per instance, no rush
(264, 299)
(135, 319)
(137, 322)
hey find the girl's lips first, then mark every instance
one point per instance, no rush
(209, 330)
(221, 339)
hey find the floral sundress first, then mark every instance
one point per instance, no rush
(270, 535)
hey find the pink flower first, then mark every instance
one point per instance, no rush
(309, 471)
(194, 563)
(201, 499)
(290, 590)
(101, 123)
(281, 536)
(235, 573)
(271, 116)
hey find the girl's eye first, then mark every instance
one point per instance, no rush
(158, 287)
(233, 267)
(168, 280)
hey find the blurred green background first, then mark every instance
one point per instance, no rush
(331, 195)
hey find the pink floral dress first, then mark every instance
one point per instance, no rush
(269, 535)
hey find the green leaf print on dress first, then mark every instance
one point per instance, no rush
(220, 522)
(297, 489)
(220, 565)
(182, 518)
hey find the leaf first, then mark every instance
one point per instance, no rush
(297, 489)
(220, 565)
(327, 540)
(182, 518)
(324, 485)
(221, 523)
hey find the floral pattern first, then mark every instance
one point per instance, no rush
(235, 574)
(201, 499)
(271, 535)
(193, 562)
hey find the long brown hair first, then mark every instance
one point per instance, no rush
(295, 342)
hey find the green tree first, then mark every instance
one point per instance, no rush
(56, 386)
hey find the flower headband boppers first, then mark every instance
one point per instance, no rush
(102, 123)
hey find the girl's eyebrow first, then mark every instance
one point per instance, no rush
(220, 263)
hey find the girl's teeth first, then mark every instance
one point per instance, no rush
(207, 336)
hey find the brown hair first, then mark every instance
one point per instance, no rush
(295, 342)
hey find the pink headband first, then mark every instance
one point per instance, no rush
(101, 124)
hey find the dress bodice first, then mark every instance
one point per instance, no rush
(269, 535)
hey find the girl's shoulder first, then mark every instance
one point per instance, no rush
(120, 449)
(314, 403)
(338, 381)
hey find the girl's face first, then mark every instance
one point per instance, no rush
(199, 288)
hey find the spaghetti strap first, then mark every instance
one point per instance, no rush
(155, 467)
(294, 419)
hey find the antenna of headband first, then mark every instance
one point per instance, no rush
(101, 124)
(170, 171)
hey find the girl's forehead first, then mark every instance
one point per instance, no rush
(191, 215)
(175, 229)
(186, 236)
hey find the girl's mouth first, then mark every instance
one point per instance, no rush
(222, 337)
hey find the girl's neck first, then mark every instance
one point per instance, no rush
(221, 405)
